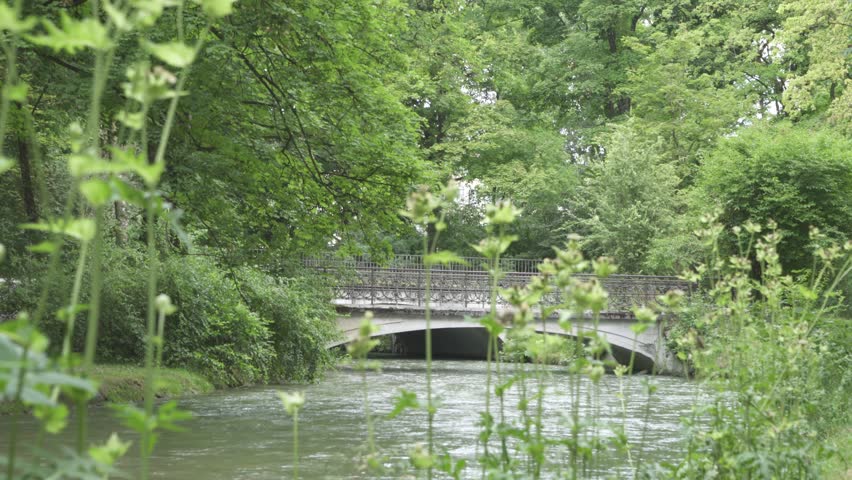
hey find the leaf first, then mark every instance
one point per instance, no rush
(53, 418)
(81, 164)
(62, 380)
(9, 20)
(109, 452)
(176, 54)
(444, 257)
(404, 401)
(79, 228)
(6, 163)
(131, 120)
(117, 16)
(43, 247)
(16, 92)
(127, 192)
(292, 402)
(96, 191)
(74, 35)
(168, 414)
(216, 8)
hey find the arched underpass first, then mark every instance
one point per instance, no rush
(453, 336)
(472, 343)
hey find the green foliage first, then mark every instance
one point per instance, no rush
(300, 319)
(626, 201)
(214, 331)
(769, 347)
(794, 177)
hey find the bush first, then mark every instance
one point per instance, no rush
(798, 178)
(301, 318)
(213, 331)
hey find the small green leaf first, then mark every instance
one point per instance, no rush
(17, 92)
(6, 163)
(108, 453)
(444, 257)
(81, 164)
(807, 293)
(404, 401)
(131, 120)
(216, 8)
(175, 54)
(134, 162)
(79, 228)
(127, 192)
(117, 16)
(96, 191)
(43, 247)
(9, 20)
(54, 418)
(74, 35)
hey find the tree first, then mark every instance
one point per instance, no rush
(793, 176)
(626, 201)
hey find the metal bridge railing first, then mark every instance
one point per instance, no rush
(400, 283)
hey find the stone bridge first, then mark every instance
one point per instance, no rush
(395, 292)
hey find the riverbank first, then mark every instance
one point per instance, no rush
(126, 384)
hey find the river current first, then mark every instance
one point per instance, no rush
(245, 433)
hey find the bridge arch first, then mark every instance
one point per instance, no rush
(616, 331)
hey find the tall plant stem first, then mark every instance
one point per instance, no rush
(91, 324)
(430, 408)
(75, 297)
(371, 444)
(150, 376)
(13, 430)
(296, 444)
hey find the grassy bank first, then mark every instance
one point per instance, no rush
(125, 384)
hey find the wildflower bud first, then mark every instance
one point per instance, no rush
(292, 402)
(751, 227)
(503, 213)
(164, 304)
(604, 267)
(644, 314)
(451, 191)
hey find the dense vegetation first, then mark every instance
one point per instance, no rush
(200, 149)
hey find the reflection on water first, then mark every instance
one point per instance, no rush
(244, 433)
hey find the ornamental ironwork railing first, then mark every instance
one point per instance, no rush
(400, 283)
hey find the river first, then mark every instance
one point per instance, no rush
(245, 434)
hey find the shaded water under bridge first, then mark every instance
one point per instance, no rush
(395, 292)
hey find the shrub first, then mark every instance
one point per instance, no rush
(213, 331)
(795, 177)
(301, 319)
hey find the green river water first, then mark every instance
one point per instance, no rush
(245, 434)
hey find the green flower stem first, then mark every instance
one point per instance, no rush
(75, 297)
(296, 444)
(13, 429)
(430, 411)
(371, 444)
(91, 324)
